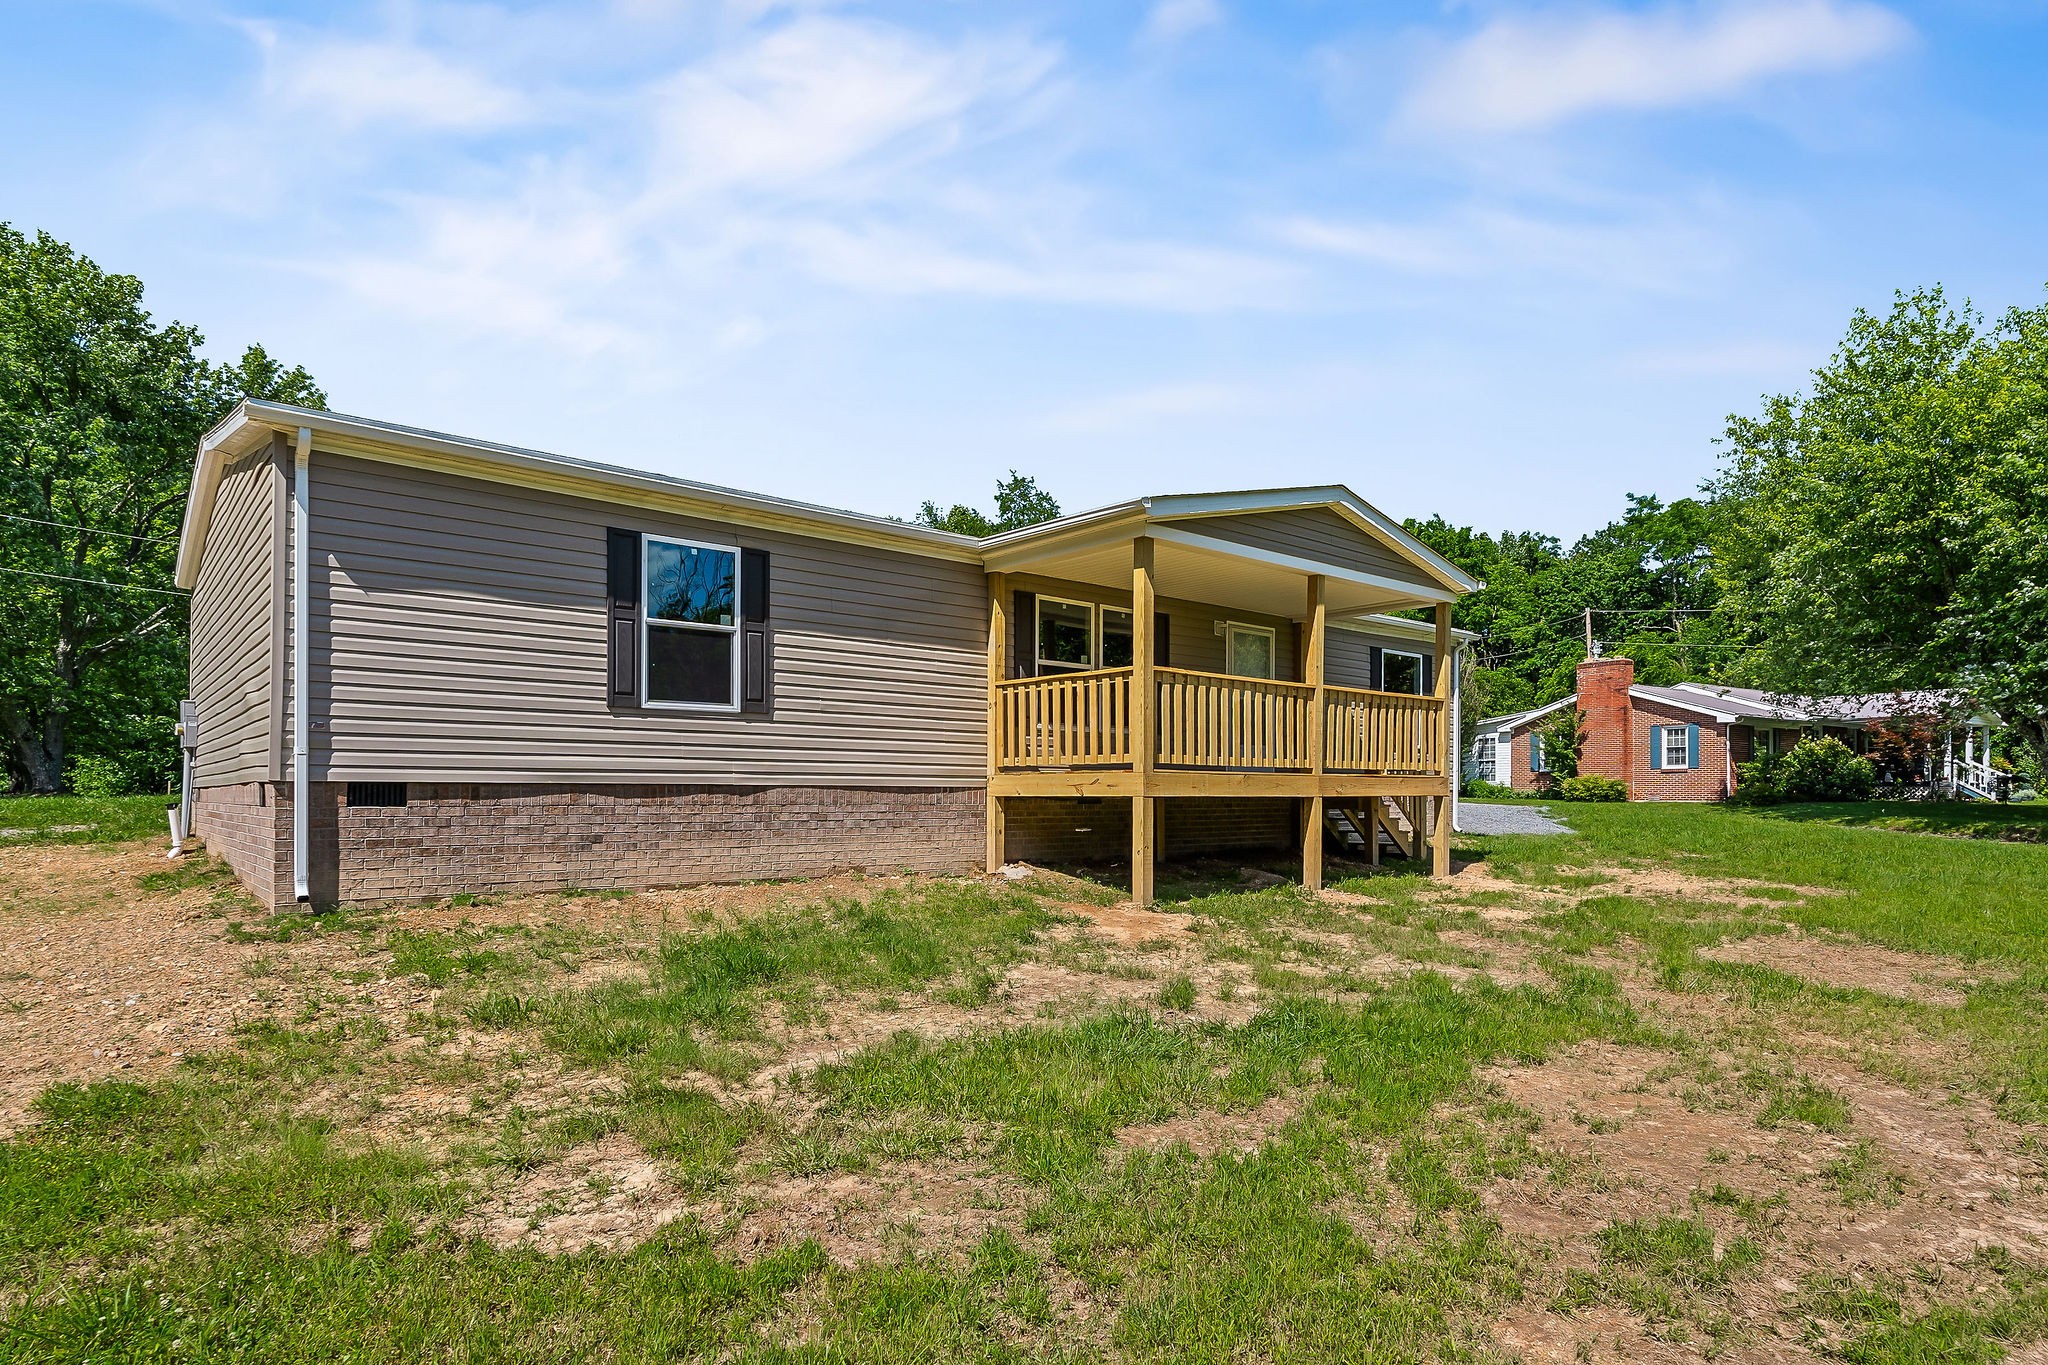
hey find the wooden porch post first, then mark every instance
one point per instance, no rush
(1144, 728)
(1440, 837)
(998, 669)
(1312, 674)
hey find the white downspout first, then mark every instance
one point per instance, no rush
(1457, 734)
(302, 720)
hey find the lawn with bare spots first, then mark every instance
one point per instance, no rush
(1683, 1085)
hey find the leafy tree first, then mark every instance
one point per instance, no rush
(101, 410)
(1019, 502)
(1893, 522)
(1647, 576)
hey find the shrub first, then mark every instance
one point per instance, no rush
(1593, 789)
(1479, 789)
(1827, 770)
(1815, 770)
(98, 775)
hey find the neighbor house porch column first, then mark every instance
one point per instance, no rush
(1144, 728)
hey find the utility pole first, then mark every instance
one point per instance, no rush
(1589, 632)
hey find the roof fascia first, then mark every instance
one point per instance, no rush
(1377, 624)
(1722, 717)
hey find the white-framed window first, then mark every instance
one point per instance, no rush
(689, 624)
(1485, 751)
(1248, 651)
(1066, 635)
(1400, 671)
(1118, 639)
(1675, 746)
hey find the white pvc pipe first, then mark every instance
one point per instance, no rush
(177, 839)
(302, 630)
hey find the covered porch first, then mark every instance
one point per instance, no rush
(1142, 722)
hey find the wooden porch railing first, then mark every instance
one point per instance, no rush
(1066, 720)
(1382, 732)
(1211, 721)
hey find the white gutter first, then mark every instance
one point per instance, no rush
(301, 626)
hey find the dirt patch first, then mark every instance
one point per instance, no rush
(933, 1208)
(1128, 925)
(1629, 1134)
(1656, 883)
(1212, 1131)
(100, 977)
(608, 1194)
(1852, 964)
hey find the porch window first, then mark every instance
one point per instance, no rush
(1066, 636)
(1248, 651)
(690, 624)
(1116, 638)
(1400, 671)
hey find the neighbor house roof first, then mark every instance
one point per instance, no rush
(254, 423)
(1737, 704)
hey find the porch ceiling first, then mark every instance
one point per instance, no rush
(1200, 570)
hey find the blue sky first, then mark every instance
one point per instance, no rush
(1506, 261)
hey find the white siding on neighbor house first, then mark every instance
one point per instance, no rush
(1314, 533)
(460, 633)
(233, 636)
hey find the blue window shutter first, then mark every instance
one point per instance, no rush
(1656, 746)
(1535, 753)
(1692, 746)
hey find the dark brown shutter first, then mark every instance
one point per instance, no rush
(1375, 669)
(756, 662)
(1162, 640)
(1428, 674)
(1024, 635)
(622, 610)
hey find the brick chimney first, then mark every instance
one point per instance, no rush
(1609, 750)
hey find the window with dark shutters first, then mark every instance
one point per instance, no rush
(758, 663)
(622, 608)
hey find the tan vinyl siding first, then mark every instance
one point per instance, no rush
(233, 627)
(460, 629)
(1311, 533)
(1347, 658)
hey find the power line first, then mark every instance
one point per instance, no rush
(95, 582)
(89, 530)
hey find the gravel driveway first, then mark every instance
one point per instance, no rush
(1478, 817)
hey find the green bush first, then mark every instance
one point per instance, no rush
(1479, 789)
(1592, 789)
(1815, 770)
(98, 775)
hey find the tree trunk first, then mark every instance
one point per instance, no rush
(38, 745)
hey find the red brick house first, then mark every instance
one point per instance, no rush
(1682, 743)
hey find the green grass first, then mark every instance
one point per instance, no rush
(1878, 1328)
(2026, 823)
(82, 819)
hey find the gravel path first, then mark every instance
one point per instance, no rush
(1476, 817)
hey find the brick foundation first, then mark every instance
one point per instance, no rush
(523, 838)
(1045, 829)
(251, 830)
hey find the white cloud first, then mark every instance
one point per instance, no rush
(1171, 20)
(351, 83)
(818, 94)
(1658, 248)
(1526, 72)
